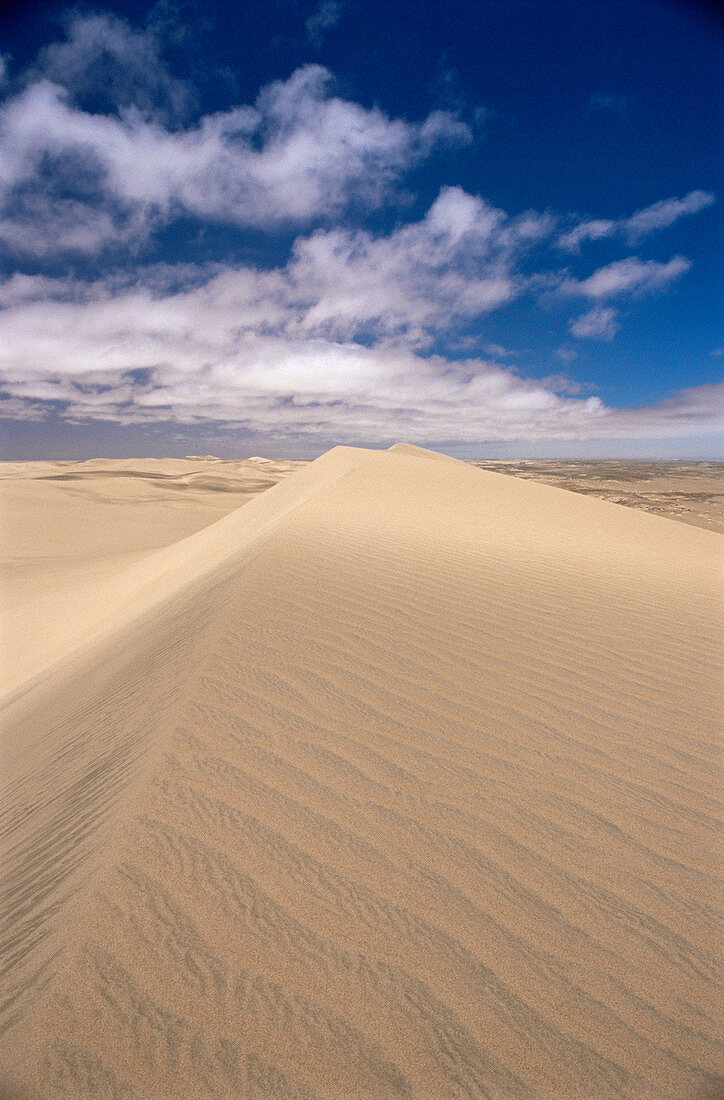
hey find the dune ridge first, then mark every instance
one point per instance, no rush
(52, 611)
(401, 780)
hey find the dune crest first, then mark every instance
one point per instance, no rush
(401, 780)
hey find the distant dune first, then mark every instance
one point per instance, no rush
(403, 779)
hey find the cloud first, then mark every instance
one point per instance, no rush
(660, 215)
(599, 324)
(134, 358)
(689, 411)
(44, 225)
(499, 352)
(561, 383)
(109, 65)
(586, 231)
(299, 154)
(566, 354)
(241, 347)
(628, 276)
(461, 260)
(458, 262)
(15, 409)
(325, 16)
(663, 214)
(354, 334)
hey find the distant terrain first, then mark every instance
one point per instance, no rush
(692, 492)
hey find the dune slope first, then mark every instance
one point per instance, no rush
(69, 529)
(401, 780)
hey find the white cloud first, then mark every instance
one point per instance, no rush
(44, 225)
(325, 16)
(690, 411)
(586, 231)
(17, 409)
(334, 343)
(194, 362)
(458, 262)
(461, 260)
(116, 64)
(659, 215)
(663, 214)
(600, 323)
(561, 383)
(240, 349)
(566, 354)
(631, 275)
(499, 352)
(298, 154)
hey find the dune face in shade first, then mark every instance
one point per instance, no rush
(401, 780)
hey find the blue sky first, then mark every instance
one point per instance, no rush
(494, 228)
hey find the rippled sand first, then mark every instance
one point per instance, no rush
(403, 779)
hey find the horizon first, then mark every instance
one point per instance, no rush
(491, 228)
(613, 459)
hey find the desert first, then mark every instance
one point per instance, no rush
(383, 774)
(361, 550)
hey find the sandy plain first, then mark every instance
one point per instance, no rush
(403, 779)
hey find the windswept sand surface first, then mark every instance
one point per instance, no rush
(401, 780)
(69, 530)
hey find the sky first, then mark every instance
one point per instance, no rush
(490, 227)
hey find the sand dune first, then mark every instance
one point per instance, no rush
(690, 492)
(69, 531)
(403, 779)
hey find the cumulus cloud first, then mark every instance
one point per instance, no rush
(109, 65)
(336, 341)
(43, 225)
(417, 282)
(325, 16)
(458, 262)
(16, 409)
(599, 323)
(461, 260)
(239, 348)
(195, 357)
(299, 154)
(660, 215)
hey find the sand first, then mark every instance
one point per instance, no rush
(403, 779)
(69, 530)
(691, 492)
